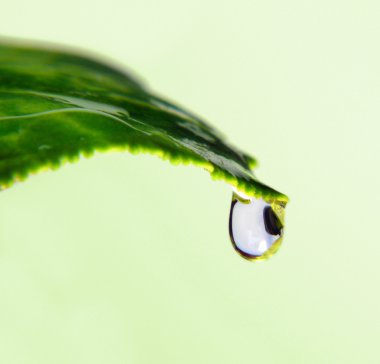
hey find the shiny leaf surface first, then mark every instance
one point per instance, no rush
(56, 105)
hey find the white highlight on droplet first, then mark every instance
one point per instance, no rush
(241, 194)
(247, 227)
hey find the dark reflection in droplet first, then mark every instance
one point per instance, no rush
(272, 223)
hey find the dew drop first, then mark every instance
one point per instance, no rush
(44, 147)
(255, 227)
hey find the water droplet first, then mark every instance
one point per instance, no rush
(44, 147)
(256, 227)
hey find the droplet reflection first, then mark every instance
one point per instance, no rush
(255, 227)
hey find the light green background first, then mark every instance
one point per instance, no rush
(124, 259)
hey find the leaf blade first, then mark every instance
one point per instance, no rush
(56, 106)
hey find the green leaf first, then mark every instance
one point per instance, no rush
(56, 106)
